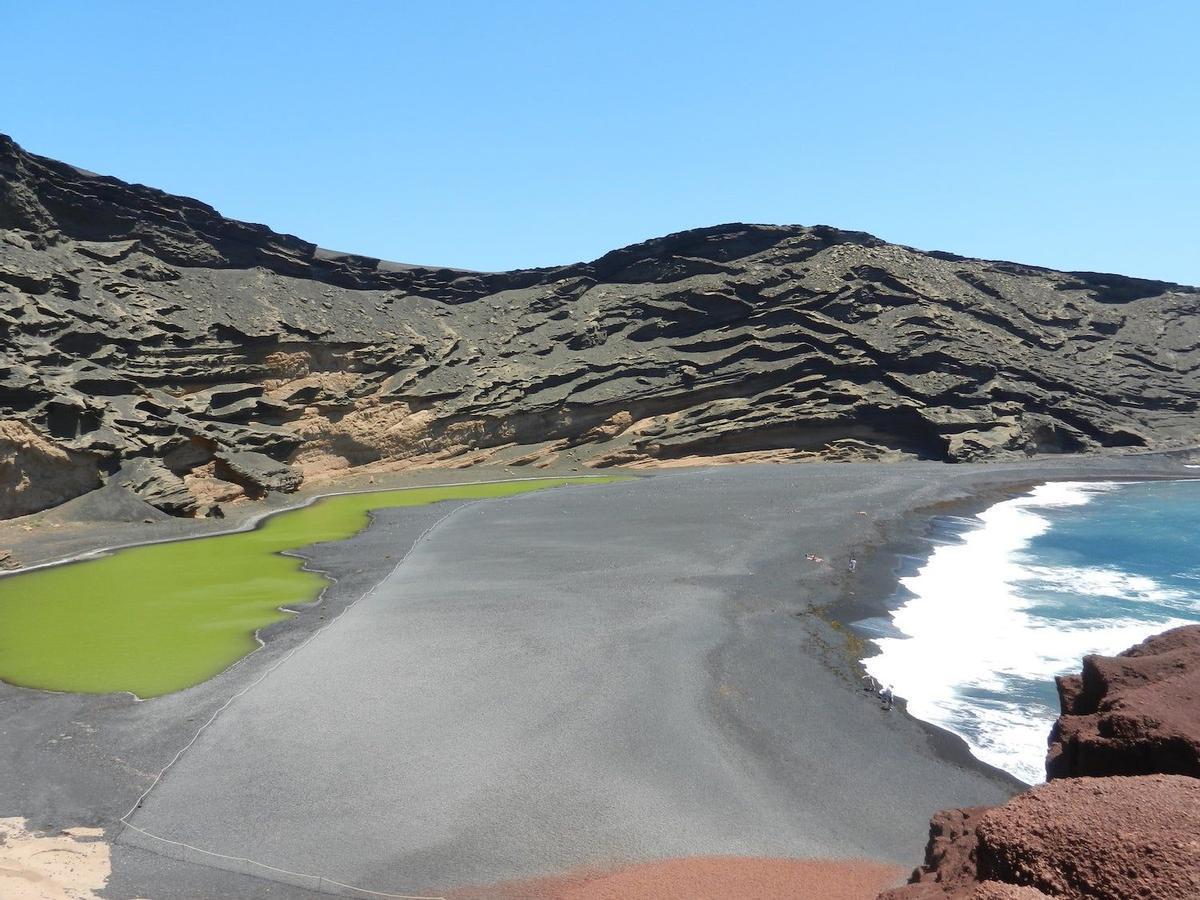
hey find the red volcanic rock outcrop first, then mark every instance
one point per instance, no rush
(1129, 829)
(994, 890)
(1137, 713)
(1107, 838)
(991, 890)
(949, 856)
(1115, 838)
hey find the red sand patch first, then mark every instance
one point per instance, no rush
(706, 878)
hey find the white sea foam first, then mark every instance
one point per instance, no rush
(970, 637)
(1098, 581)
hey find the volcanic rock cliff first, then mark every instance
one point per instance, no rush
(200, 360)
(1129, 829)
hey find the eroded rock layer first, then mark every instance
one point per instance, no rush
(231, 360)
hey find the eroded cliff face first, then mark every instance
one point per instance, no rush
(1119, 817)
(203, 360)
(1136, 713)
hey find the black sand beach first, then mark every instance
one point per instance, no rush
(590, 676)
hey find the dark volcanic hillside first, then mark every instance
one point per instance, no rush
(147, 338)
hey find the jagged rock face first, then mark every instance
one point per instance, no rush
(1102, 838)
(950, 853)
(951, 871)
(1086, 838)
(135, 323)
(1132, 714)
(994, 890)
(1112, 838)
(986, 890)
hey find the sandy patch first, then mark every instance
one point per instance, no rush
(70, 865)
(707, 878)
(847, 450)
(36, 473)
(321, 468)
(203, 484)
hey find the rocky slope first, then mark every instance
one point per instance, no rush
(202, 360)
(1107, 824)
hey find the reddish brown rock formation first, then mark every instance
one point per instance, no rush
(1132, 830)
(949, 856)
(989, 890)
(1117, 838)
(1114, 838)
(1137, 713)
(994, 890)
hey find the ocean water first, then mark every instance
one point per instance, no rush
(1012, 597)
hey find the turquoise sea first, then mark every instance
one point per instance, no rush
(1018, 594)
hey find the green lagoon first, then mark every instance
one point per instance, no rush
(159, 618)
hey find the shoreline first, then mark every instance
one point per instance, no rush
(905, 496)
(881, 564)
(908, 539)
(258, 518)
(726, 614)
(292, 607)
(88, 516)
(911, 538)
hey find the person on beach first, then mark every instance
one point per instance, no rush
(853, 564)
(870, 685)
(889, 699)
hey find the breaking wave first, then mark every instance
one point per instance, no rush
(990, 619)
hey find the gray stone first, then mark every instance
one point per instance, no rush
(734, 341)
(158, 486)
(257, 472)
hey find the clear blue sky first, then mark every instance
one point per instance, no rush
(504, 134)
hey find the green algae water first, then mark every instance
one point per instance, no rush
(159, 618)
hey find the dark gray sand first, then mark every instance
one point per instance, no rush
(589, 675)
